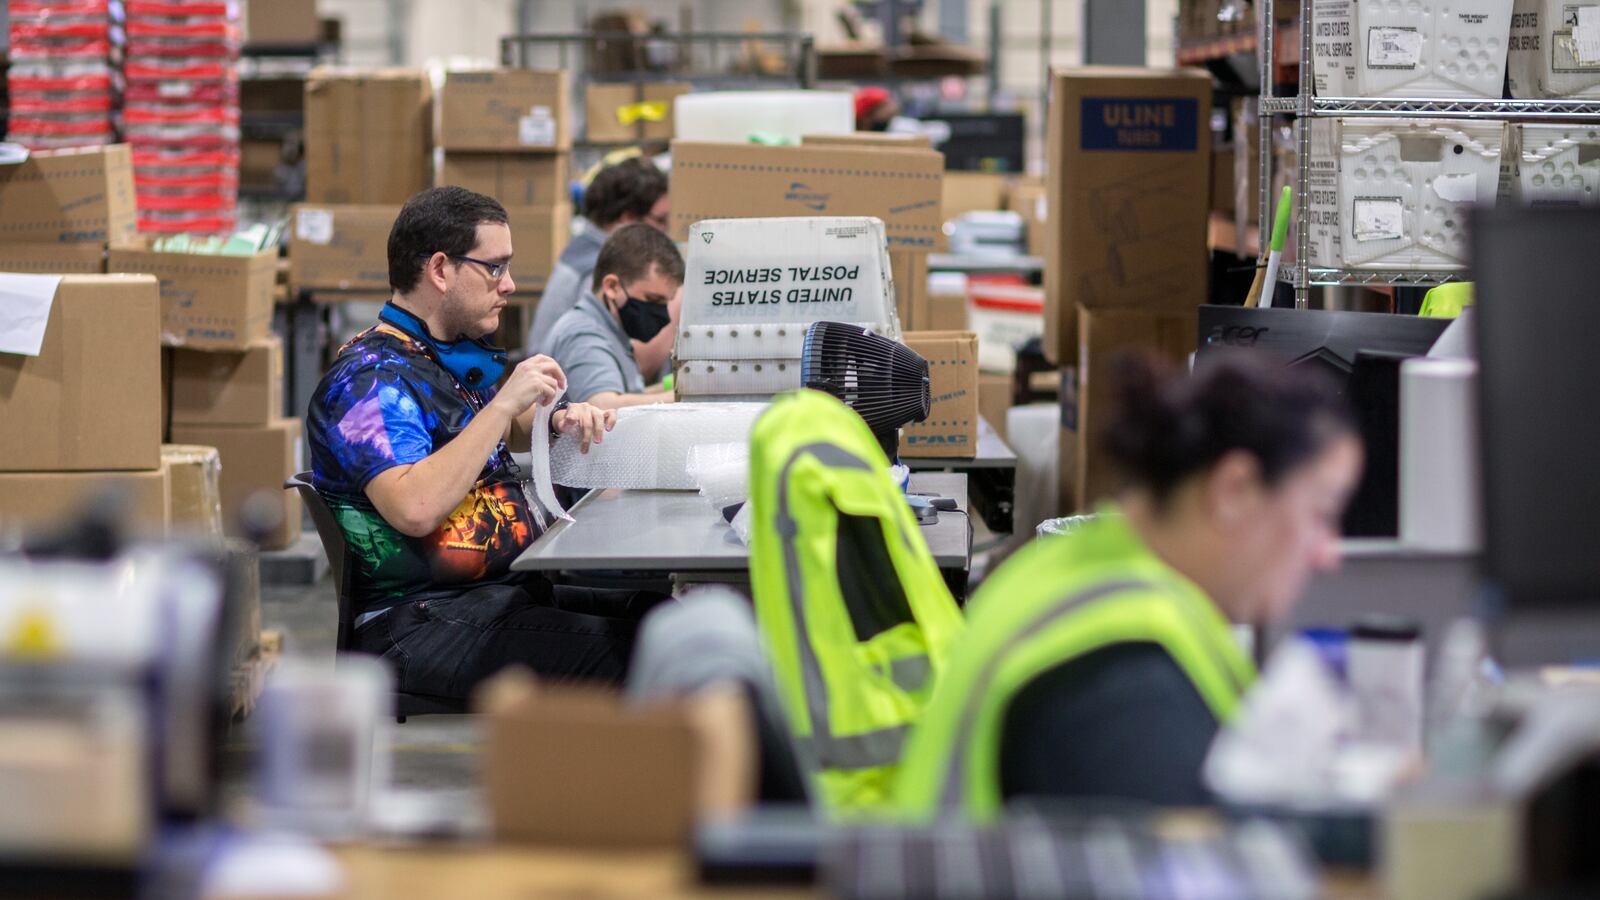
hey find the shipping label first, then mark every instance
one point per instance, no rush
(1393, 48)
(1378, 219)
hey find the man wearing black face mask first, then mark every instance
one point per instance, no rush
(633, 296)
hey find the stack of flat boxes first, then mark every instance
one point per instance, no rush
(182, 114)
(506, 133)
(62, 77)
(369, 147)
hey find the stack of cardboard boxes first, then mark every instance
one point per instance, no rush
(506, 133)
(88, 413)
(1129, 175)
(369, 147)
(233, 400)
(83, 416)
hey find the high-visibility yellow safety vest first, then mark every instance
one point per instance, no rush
(856, 618)
(1447, 300)
(1057, 599)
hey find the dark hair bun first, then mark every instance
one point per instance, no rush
(1169, 425)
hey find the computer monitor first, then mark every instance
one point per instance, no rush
(1361, 352)
(1538, 335)
(979, 142)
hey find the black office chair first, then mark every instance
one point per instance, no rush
(405, 704)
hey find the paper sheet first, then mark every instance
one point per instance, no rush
(25, 302)
(542, 488)
(1586, 36)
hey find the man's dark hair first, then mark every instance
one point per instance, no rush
(437, 220)
(630, 187)
(632, 250)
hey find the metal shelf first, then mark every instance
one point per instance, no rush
(1364, 278)
(1299, 272)
(1438, 109)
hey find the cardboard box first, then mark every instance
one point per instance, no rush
(254, 460)
(194, 486)
(1103, 334)
(951, 428)
(515, 179)
(881, 140)
(946, 312)
(53, 259)
(44, 500)
(243, 387)
(368, 135)
(909, 270)
(91, 399)
(282, 22)
(994, 399)
(1028, 197)
(1128, 177)
(340, 247)
(207, 301)
(82, 196)
(966, 192)
(576, 766)
(631, 112)
(538, 235)
(504, 109)
(901, 187)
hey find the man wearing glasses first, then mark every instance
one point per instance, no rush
(411, 445)
(633, 190)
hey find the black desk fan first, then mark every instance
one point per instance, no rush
(883, 380)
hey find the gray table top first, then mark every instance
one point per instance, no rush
(677, 531)
(993, 453)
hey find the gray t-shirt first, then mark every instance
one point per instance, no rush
(568, 280)
(593, 351)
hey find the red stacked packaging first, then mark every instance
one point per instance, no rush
(63, 76)
(181, 114)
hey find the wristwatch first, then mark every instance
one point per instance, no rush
(560, 405)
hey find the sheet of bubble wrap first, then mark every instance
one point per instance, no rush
(649, 447)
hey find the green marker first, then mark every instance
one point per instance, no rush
(1280, 231)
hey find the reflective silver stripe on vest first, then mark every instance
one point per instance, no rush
(857, 751)
(862, 751)
(954, 777)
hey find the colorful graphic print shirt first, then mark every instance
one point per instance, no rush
(387, 402)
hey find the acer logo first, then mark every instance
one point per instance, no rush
(1236, 335)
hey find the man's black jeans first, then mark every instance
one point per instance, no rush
(444, 646)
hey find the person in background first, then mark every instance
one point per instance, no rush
(1101, 663)
(633, 190)
(411, 450)
(633, 298)
(875, 106)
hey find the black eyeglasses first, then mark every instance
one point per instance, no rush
(496, 271)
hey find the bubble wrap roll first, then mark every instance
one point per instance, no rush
(650, 445)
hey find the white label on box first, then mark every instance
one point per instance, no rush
(1461, 187)
(314, 226)
(1393, 48)
(1379, 219)
(537, 128)
(1586, 36)
(1040, 208)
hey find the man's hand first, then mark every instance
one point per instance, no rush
(590, 423)
(534, 381)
